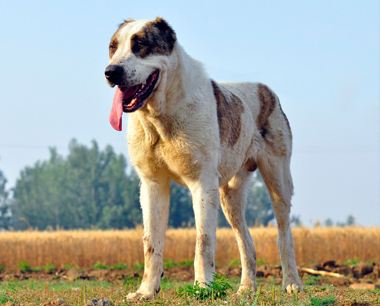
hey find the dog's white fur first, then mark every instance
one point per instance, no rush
(175, 135)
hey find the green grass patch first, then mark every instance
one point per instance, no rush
(2, 268)
(186, 263)
(16, 285)
(260, 262)
(352, 262)
(311, 280)
(170, 263)
(100, 266)
(119, 266)
(5, 298)
(322, 301)
(25, 267)
(68, 266)
(49, 268)
(138, 266)
(131, 282)
(218, 288)
(234, 263)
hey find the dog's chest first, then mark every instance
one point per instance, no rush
(156, 155)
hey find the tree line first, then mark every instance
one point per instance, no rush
(92, 187)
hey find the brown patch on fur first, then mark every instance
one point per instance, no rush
(203, 242)
(250, 164)
(286, 120)
(149, 249)
(114, 41)
(113, 46)
(155, 38)
(267, 104)
(277, 140)
(229, 109)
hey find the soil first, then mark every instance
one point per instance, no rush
(356, 276)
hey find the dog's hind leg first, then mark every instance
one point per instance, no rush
(233, 199)
(154, 198)
(276, 173)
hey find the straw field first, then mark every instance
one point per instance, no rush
(85, 248)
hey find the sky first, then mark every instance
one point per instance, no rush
(322, 58)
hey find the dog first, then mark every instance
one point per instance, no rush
(205, 135)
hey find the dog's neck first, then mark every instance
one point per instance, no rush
(182, 88)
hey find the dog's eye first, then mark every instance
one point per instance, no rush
(112, 48)
(135, 44)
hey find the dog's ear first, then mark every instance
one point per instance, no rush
(166, 31)
(128, 20)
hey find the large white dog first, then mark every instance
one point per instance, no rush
(205, 135)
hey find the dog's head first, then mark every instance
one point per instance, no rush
(141, 54)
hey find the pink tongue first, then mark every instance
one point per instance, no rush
(117, 110)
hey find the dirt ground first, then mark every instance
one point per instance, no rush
(363, 273)
(352, 284)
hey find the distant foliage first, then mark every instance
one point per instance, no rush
(350, 221)
(89, 188)
(5, 204)
(181, 208)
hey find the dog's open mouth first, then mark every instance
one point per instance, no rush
(130, 99)
(134, 97)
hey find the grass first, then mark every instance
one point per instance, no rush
(25, 267)
(125, 246)
(352, 262)
(222, 292)
(138, 266)
(100, 266)
(215, 290)
(4, 298)
(311, 280)
(118, 266)
(170, 263)
(322, 301)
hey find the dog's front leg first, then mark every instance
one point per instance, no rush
(206, 204)
(154, 198)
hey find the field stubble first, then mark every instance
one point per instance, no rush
(85, 248)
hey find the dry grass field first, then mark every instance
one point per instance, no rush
(101, 267)
(85, 248)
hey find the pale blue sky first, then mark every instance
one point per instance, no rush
(321, 57)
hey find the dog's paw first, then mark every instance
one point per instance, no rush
(246, 289)
(140, 296)
(293, 288)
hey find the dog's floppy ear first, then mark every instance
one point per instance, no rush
(166, 31)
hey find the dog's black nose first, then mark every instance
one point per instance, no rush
(114, 74)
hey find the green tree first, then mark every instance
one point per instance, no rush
(295, 220)
(181, 212)
(5, 204)
(350, 220)
(88, 188)
(329, 222)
